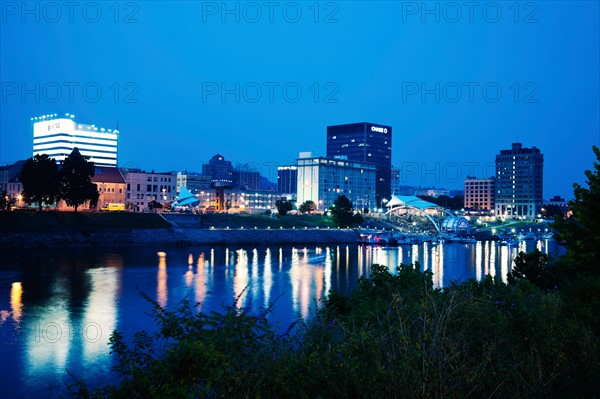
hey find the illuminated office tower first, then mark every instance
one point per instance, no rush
(58, 135)
(365, 142)
(519, 182)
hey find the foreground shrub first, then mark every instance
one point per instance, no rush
(394, 336)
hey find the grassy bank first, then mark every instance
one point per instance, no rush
(26, 221)
(52, 221)
(250, 221)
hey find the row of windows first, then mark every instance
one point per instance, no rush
(489, 192)
(152, 187)
(162, 179)
(109, 190)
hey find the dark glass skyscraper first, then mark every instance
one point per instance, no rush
(287, 179)
(220, 172)
(246, 177)
(365, 142)
(519, 182)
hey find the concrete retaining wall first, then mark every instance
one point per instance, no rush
(183, 237)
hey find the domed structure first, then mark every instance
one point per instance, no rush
(456, 225)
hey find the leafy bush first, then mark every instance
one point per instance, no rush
(394, 336)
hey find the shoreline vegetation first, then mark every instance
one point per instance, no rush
(393, 336)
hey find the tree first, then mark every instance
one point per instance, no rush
(40, 179)
(342, 213)
(6, 202)
(533, 267)
(154, 204)
(552, 211)
(307, 206)
(75, 179)
(580, 232)
(283, 206)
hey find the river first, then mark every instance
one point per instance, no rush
(59, 306)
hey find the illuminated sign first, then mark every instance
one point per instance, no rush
(379, 129)
(52, 127)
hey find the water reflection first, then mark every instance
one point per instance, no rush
(16, 305)
(161, 286)
(267, 278)
(200, 286)
(48, 341)
(240, 278)
(100, 313)
(306, 279)
(63, 306)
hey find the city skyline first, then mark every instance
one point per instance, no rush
(455, 90)
(270, 168)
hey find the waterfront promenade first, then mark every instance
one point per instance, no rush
(62, 229)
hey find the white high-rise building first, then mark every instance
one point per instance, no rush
(57, 136)
(322, 180)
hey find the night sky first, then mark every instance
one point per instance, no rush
(259, 82)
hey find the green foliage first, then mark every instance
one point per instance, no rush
(6, 202)
(394, 336)
(75, 179)
(40, 179)
(154, 204)
(283, 206)
(551, 211)
(342, 213)
(534, 267)
(580, 232)
(307, 206)
(230, 354)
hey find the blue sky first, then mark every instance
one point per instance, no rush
(189, 79)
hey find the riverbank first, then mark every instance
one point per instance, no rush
(176, 237)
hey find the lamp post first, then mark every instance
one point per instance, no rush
(383, 202)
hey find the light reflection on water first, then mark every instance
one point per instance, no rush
(58, 308)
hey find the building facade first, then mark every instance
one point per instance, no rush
(220, 172)
(57, 136)
(430, 191)
(111, 186)
(322, 180)
(14, 190)
(193, 181)
(365, 142)
(395, 181)
(519, 182)
(287, 179)
(246, 177)
(9, 173)
(480, 193)
(144, 187)
(236, 201)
